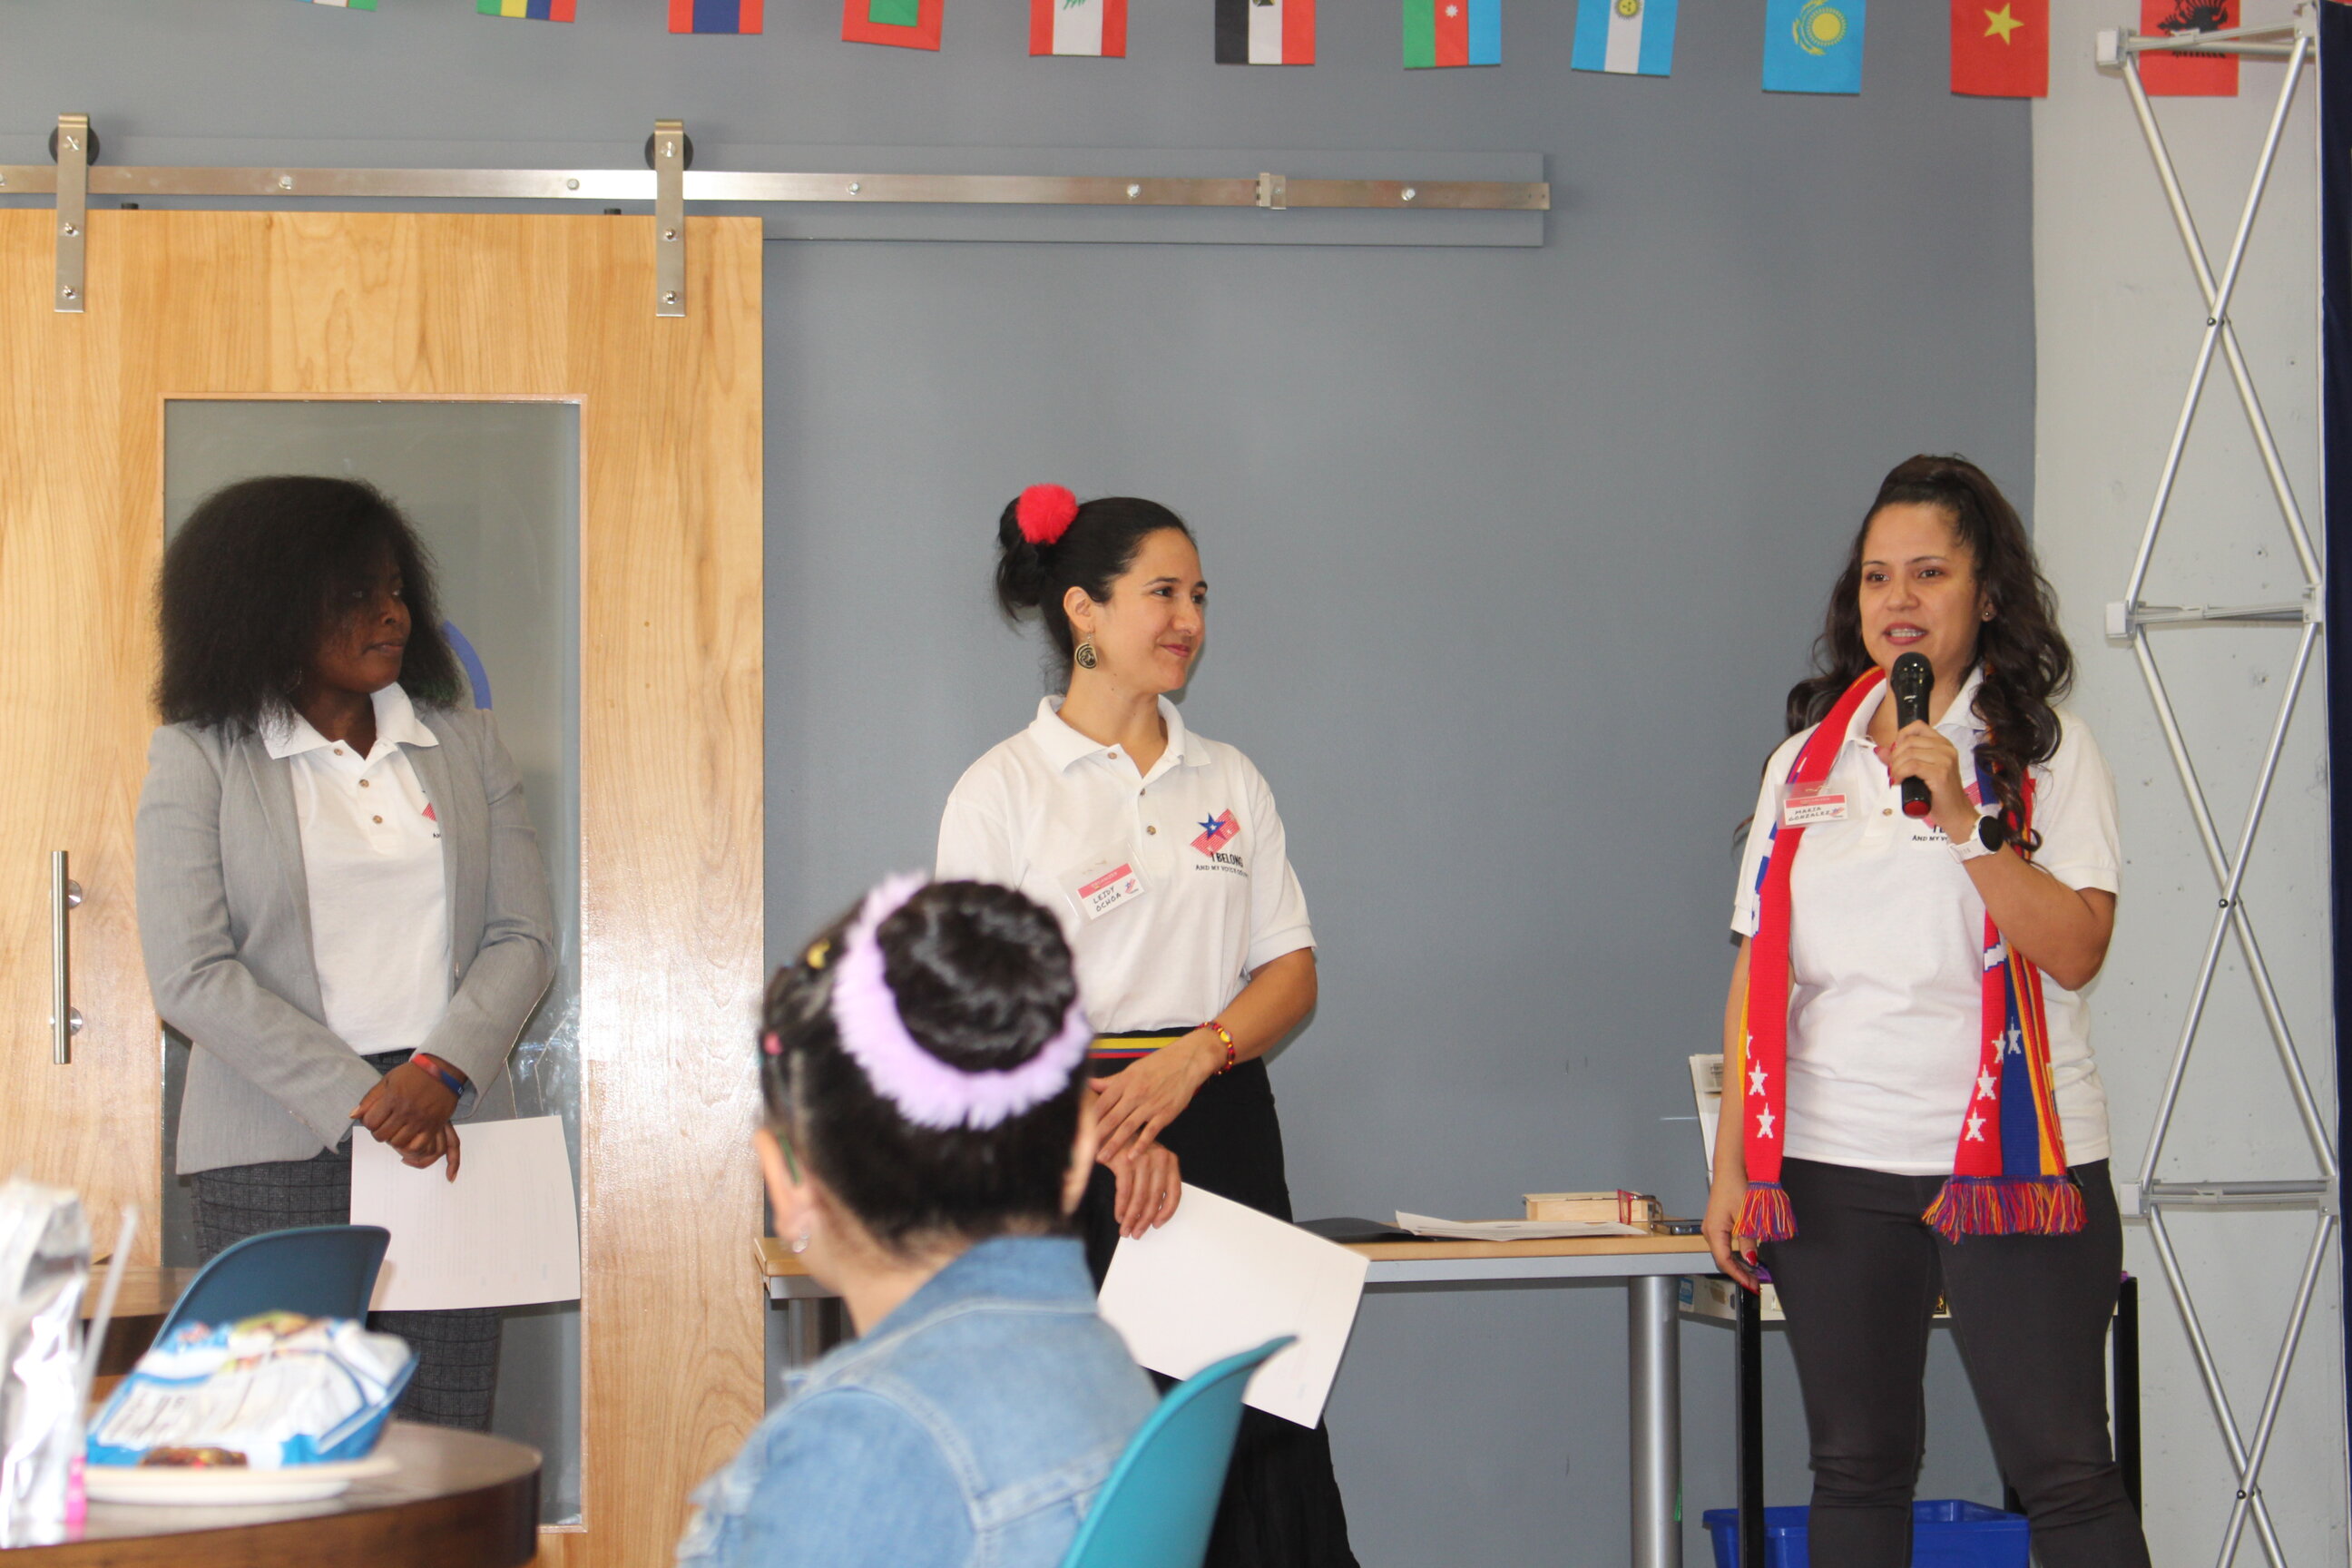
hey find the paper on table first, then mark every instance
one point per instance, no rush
(1513, 1229)
(504, 1234)
(1707, 1088)
(1220, 1278)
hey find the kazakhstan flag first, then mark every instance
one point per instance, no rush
(1813, 46)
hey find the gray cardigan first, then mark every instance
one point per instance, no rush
(224, 924)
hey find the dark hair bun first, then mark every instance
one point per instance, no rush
(1020, 565)
(982, 979)
(981, 974)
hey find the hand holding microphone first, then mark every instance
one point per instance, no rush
(1911, 681)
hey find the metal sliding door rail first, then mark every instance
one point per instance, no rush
(2132, 620)
(670, 183)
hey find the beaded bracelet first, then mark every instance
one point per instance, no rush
(1218, 1029)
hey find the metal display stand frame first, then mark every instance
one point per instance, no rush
(670, 180)
(2149, 1196)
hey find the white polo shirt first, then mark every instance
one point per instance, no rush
(1185, 864)
(1885, 953)
(372, 858)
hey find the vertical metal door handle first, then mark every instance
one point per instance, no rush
(65, 1019)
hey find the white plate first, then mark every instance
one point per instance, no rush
(231, 1486)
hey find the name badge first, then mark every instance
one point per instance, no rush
(1803, 810)
(1107, 887)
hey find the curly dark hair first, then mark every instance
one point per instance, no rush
(255, 578)
(983, 979)
(2027, 664)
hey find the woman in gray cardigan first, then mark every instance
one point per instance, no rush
(341, 899)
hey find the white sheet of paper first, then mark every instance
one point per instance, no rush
(1220, 1278)
(1706, 1089)
(1514, 1230)
(504, 1234)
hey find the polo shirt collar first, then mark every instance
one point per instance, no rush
(1961, 715)
(1064, 746)
(290, 734)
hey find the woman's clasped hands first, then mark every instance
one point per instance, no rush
(410, 1110)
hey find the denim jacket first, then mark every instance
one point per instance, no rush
(970, 1429)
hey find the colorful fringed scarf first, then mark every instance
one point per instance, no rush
(2009, 1172)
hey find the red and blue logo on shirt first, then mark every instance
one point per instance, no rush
(1216, 833)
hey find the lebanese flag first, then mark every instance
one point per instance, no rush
(1078, 28)
(2188, 76)
(902, 24)
(2001, 51)
(1452, 33)
(1265, 32)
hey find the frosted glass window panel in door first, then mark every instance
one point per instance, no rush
(493, 489)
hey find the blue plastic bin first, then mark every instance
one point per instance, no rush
(1948, 1534)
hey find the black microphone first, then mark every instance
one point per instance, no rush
(1911, 680)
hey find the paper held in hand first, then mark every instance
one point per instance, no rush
(1512, 1229)
(506, 1233)
(1221, 1278)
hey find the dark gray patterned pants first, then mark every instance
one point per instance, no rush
(456, 1353)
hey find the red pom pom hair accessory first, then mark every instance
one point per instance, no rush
(1044, 514)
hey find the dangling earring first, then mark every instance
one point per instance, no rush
(1085, 657)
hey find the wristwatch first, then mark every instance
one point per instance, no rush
(1990, 836)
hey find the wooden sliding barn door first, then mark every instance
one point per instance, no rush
(427, 307)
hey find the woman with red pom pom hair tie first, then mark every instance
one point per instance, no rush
(1910, 1108)
(1163, 856)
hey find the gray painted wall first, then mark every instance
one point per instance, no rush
(1513, 551)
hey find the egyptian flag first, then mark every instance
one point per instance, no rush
(2001, 51)
(528, 10)
(1266, 32)
(902, 24)
(2188, 76)
(710, 15)
(1625, 37)
(1077, 27)
(1452, 33)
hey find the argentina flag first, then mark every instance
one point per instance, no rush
(1626, 37)
(1813, 46)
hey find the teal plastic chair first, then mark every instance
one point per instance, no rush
(317, 1270)
(1156, 1508)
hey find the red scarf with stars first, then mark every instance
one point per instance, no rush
(2009, 1172)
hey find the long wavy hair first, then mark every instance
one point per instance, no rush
(2027, 664)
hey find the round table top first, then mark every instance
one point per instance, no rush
(459, 1499)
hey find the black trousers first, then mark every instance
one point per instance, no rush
(2030, 1313)
(456, 1353)
(1281, 1506)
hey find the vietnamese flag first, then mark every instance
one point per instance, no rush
(2188, 76)
(1452, 33)
(2001, 50)
(902, 24)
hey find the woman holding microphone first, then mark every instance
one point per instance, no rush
(1163, 856)
(1910, 1105)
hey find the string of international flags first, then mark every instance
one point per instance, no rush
(1999, 50)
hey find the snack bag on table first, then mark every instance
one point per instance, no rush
(44, 1264)
(264, 1393)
